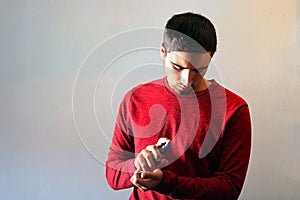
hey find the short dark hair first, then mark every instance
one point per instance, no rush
(190, 32)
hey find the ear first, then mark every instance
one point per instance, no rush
(163, 51)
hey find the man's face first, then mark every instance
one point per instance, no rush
(185, 70)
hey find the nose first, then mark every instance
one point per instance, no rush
(186, 77)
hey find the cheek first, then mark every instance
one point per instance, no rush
(175, 77)
(171, 74)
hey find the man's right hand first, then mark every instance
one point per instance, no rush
(150, 158)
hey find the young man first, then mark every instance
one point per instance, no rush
(208, 128)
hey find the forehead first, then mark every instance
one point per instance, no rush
(186, 58)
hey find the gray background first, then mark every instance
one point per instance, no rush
(43, 155)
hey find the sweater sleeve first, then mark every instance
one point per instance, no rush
(120, 162)
(228, 179)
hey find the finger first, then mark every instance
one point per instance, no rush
(149, 180)
(155, 152)
(147, 175)
(140, 163)
(149, 160)
(143, 165)
(142, 188)
(136, 180)
(136, 175)
(133, 179)
(142, 184)
(156, 174)
(161, 141)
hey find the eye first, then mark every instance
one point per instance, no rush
(177, 68)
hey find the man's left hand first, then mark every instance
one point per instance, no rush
(147, 180)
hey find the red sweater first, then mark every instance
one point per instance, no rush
(210, 134)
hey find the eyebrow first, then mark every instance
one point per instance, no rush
(200, 68)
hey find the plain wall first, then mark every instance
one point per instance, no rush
(55, 91)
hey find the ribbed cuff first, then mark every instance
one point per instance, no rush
(167, 184)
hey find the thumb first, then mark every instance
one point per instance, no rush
(146, 175)
(151, 175)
